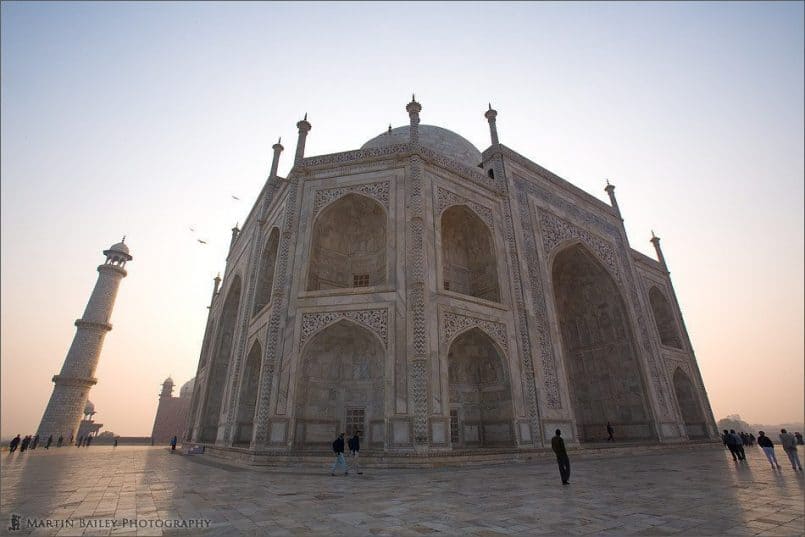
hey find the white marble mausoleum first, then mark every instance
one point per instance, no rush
(440, 299)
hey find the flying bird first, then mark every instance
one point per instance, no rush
(234, 197)
(193, 229)
(201, 241)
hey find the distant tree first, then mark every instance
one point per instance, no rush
(734, 421)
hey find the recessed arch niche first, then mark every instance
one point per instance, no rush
(469, 264)
(248, 395)
(481, 409)
(340, 385)
(692, 413)
(664, 319)
(265, 278)
(349, 245)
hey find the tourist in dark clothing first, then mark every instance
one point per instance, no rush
(736, 445)
(610, 432)
(798, 436)
(173, 443)
(558, 446)
(115, 444)
(50, 441)
(355, 449)
(729, 444)
(89, 439)
(751, 439)
(12, 446)
(59, 441)
(24, 444)
(80, 441)
(338, 449)
(767, 446)
(35, 442)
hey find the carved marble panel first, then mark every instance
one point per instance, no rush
(378, 191)
(375, 320)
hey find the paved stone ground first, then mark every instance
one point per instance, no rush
(687, 493)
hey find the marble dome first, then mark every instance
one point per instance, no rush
(443, 141)
(187, 388)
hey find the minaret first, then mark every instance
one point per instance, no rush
(167, 389)
(63, 413)
(413, 108)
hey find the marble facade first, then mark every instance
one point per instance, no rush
(439, 298)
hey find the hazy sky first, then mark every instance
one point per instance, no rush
(144, 118)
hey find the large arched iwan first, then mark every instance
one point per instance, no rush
(599, 351)
(216, 379)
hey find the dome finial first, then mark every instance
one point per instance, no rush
(280, 140)
(490, 106)
(124, 239)
(305, 118)
(389, 128)
(413, 97)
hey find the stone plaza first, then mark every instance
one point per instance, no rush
(682, 490)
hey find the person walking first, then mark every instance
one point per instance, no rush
(24, 445)
(728, 443)
(35, 442)
(789, 443)
(88, 440)
(767, 446)
(115, 444)
(736, 446)
(173, 444)
(12, 446)
(558, 446)
(610, 432)
(50, 441)
(355, 450)
(59, 441)
(338, 449)
(80, 441)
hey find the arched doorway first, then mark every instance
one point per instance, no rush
(216, 379)
(469, 265)
(689, 405)
(265, 280)
(599, 353)
(349, 245)
(248, 395)
(664, 319)
(481, 410)
(340, 386)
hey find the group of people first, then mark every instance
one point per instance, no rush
(735, 442)
(31, 442)
(354, 445)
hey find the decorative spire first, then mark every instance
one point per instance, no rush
(610, 189)
(123, 240)
(491, 116)
(275, 162)
(655, 240)
(304, 127)
(389, 128)
(414, 108)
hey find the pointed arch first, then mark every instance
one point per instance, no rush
(348, 246)
(340, 385)
(469, 263)
(604, 374)
(265, 278)
(664, 318)
(689, 405)
(479, 387)
(248, 394)
(216, 378)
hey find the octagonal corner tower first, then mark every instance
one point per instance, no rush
(442, 301)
